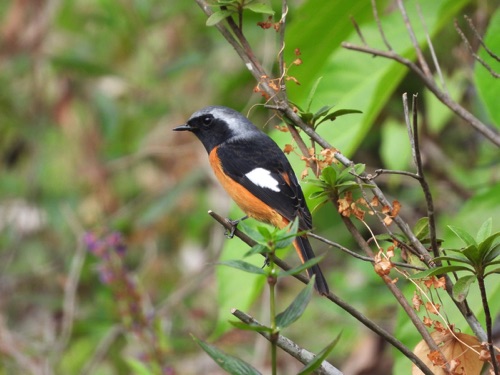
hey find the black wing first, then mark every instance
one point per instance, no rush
(239, 157)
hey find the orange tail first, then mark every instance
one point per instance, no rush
(305, 252)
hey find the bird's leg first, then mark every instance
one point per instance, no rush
(266, 261)
(234, 223)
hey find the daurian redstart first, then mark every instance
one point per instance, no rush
(255, 173)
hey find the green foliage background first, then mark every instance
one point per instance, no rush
(89, 92)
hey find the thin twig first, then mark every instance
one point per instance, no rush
(358, 30)
(474, 54)
(359, 256)
(414, 41)
(333, 298)
(481, 41)
(302, 355)
(281, 52)
(431, 48)
(392, 287)
(378, 172)
(379, 25)
(489, 133)
(413, 132)
(488, 321)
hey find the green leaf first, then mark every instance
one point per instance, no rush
(318, 360)
(340, 112)
(421, 228)
(227, 362)
(472, 253)
(257, 249)
(250, 232)
(466, 238)
(318, 194)
(264, 232)
(492, 254)
(329, 175)
(302, 267)
(287, 235)
(306, 117)
(234, 287)
(486, 248)
(461, 287)
(495, 270)
(439, 271)
(453, 258)
(347, 186)
(359, 168)
(310, 97)
(243, 266)
(297, 307)
(485, 231)
(321, 112)
(218, 16)
(259, 7)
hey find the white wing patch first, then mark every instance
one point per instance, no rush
(262, 177)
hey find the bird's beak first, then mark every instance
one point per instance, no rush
(183, 128)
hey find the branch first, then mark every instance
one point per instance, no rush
(333, 298)
(358, 256)
(420, 56)
(471, 50)
(393, 288)
(486, 131)
(245, 52)
(417, 159)
(478, 36)
(302, 355)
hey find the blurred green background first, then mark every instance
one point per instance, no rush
(89, 93)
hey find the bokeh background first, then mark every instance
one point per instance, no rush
(107, 254)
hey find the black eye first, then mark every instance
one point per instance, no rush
(207, 120)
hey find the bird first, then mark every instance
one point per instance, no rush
(256, 174)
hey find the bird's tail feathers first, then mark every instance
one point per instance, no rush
(305, 252)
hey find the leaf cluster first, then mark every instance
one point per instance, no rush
(268, 241)
(336, 180)
(325, 113)
(478, 254)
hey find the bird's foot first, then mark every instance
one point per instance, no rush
(234, 223)
(266, 261)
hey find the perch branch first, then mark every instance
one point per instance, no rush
(333, 298)
(302, 355)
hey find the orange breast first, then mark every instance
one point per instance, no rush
(249, 203)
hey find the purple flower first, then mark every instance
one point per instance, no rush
(115, 241)
(94, 244)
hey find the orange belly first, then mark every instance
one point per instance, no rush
(249, 203)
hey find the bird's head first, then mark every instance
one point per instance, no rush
(215, 125)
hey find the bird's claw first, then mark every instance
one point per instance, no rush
(266, 261)
(234, 223)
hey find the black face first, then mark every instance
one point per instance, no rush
(210, 131)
